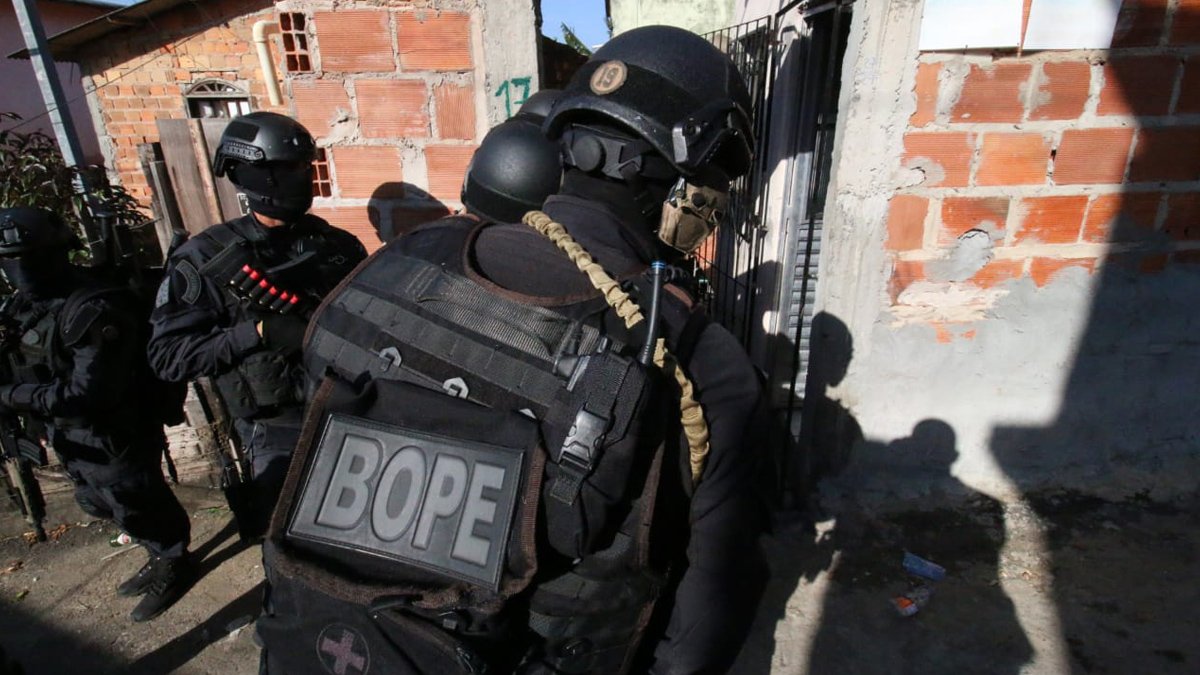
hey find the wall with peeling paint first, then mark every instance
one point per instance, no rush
(1010, 248)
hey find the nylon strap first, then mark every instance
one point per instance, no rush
(691, 414)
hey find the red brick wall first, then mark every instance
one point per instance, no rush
(1067, 159)
(388, 79)
(393, 94)
(139, 76)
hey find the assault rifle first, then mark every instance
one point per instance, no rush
(20, 456)
(19, 453)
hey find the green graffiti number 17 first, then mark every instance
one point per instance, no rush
(509, 90)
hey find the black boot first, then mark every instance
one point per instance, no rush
(138, 583)
(170, 578)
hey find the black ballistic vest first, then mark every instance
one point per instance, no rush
(477, 481)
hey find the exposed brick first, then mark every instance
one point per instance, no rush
(1166, 155)
(1092, 156)
(1013, 159)
(1189, 89)
(319, 104)
(960, 214)
(1051, 220)
(1140, 85)
(926, 91)
(446, 166)
(392, 108)
(945, 157)
(993, 94)
(1121, 217)
(405, 218)
(455, 111)
(1191, 257)
(904, 274)
(1042, 270)
(1062, 91)
(1140, 23)
(997, 272)
(361, 170)
(440, 42)
(1185, 27)
(1153, 263)
(906, 222)
(1183, 217)
(352, 219)
(355, 41)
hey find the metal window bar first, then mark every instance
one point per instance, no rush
(828, 33)
(728, 268)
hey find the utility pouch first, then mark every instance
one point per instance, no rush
(259, 386)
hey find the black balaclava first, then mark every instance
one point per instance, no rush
(276, 189)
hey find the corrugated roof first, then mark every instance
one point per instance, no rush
(64, 45)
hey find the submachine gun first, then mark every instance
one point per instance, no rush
(20, 453)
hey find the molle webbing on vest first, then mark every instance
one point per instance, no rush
(691, 414)
(436, 322)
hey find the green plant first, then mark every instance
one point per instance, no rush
(574, 42)
(33, 173)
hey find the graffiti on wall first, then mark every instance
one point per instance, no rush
(515, 92)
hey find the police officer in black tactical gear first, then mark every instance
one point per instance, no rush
(74, 348)
(237, 297)
(516, 167)
(529, 450)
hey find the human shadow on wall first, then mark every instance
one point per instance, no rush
(970, 624)
(396, 207)
(1126, 421)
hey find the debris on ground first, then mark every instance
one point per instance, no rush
(918, 566)
(913, 600)
(13, 566)
(58, 532)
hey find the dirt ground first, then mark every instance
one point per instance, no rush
(1051, 585)
(59, 612)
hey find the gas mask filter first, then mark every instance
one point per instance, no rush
(690, 214)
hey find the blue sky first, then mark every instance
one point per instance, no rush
(586, 17)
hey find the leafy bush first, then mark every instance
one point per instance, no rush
(33, 173)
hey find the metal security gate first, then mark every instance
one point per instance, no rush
(792, 64)
(827, 29)
(729, 263)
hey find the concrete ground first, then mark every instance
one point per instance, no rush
(1052, 585)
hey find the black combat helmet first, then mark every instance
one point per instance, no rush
(670, 87)
(25, 228)
(269, 157)
(516, 167)
(34, 248)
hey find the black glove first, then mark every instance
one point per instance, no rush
(283, 332)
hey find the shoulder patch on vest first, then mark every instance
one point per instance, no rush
(79, 324)
(191, 281)
(164, 292)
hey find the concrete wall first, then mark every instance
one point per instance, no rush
(698, 16)
(20, 93)
(398, 94)
(1010, 270)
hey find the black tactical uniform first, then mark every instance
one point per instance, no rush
(237, 296)
(492, 477)
(79, 371)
